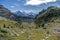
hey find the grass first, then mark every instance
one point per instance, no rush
(12, 31)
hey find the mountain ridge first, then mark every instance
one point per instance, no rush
(47, 15)
(17, 16)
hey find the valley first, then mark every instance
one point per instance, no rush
(42, 26)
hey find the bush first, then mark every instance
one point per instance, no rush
(3, 31)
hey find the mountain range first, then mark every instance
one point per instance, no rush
(30, 14)
(27, 17)
(16, 16)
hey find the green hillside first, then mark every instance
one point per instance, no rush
(47, 15)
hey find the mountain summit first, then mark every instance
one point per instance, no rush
(31, 14)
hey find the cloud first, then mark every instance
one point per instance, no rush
(38, 2)
(12, 6)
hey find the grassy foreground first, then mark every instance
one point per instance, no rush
(11, 30)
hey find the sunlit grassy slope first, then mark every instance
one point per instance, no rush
(11, 30)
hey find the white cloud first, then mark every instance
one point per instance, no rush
(37, 2)
(12, 6)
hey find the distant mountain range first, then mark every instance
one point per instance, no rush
(17, 16)
(22, 14)
(26, 16)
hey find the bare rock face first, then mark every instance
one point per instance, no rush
(56, 30)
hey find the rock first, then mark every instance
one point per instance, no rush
(42, 39)
(22, 31)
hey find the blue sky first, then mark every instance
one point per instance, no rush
(29, 5)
